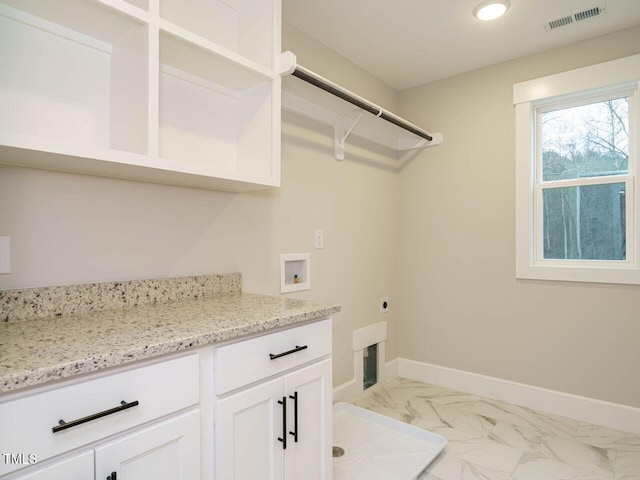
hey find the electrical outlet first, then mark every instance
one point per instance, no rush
(384, 304)
(319, 239)
(5, 255)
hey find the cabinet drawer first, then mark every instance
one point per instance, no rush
(242, 363)
(159, 389)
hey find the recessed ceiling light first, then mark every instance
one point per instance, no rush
(491, 10)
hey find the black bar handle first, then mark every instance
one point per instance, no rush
(112, 476)
(273, 356)
(283, 439)
(294, 397)
(74, 423)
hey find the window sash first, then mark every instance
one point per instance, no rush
(537, 227)
(585, 99)
(630, 231)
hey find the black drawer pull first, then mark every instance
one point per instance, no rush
(113, 476)
(294, 397)
(64, 425)
(283, 439)
(273, 356)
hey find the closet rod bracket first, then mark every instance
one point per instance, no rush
(338, 142)
(340, 137)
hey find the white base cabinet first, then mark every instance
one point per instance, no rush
(279, 428)
(247, 426)
(251, 428)
(167, 451)
(257, 409)
(155, 434)
(309, 455)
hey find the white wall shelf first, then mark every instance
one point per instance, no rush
(143, 90)
(347, 119)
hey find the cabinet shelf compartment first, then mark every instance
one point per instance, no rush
(240, 26)
(216, 115)
(75, 74)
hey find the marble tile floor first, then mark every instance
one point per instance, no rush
(493, 440)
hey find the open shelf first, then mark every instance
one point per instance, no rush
(64, 81)
(187, 96)
(246, 28)
(208, 61)
(214, 112)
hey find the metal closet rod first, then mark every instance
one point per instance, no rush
(309, 77)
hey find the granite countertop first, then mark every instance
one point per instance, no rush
(41, 350)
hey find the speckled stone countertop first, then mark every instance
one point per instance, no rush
(41, 350)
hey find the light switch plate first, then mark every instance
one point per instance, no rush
(5, 255)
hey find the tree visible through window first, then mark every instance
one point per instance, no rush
(584, 152)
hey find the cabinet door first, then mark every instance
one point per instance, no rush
(309, 457)
(79, 467)
(248, 425)
(168, 450)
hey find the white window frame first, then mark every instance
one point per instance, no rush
(605, 80)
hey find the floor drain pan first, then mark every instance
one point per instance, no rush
(377, 447)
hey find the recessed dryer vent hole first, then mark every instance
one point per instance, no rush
(370, 366)
(369, 355)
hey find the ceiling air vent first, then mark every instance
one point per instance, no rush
(560, 22)
(592, 12)
(575, 17)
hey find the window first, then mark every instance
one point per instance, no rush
(576, 202)
(583, 158)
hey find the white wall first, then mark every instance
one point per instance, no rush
(68, 229)
(461, 306)
(438, 238)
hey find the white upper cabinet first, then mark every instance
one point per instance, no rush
(181, 92)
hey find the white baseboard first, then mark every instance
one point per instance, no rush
(348, 391)
(589, 410)
(391, 369)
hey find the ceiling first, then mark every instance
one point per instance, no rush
(406, 43)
